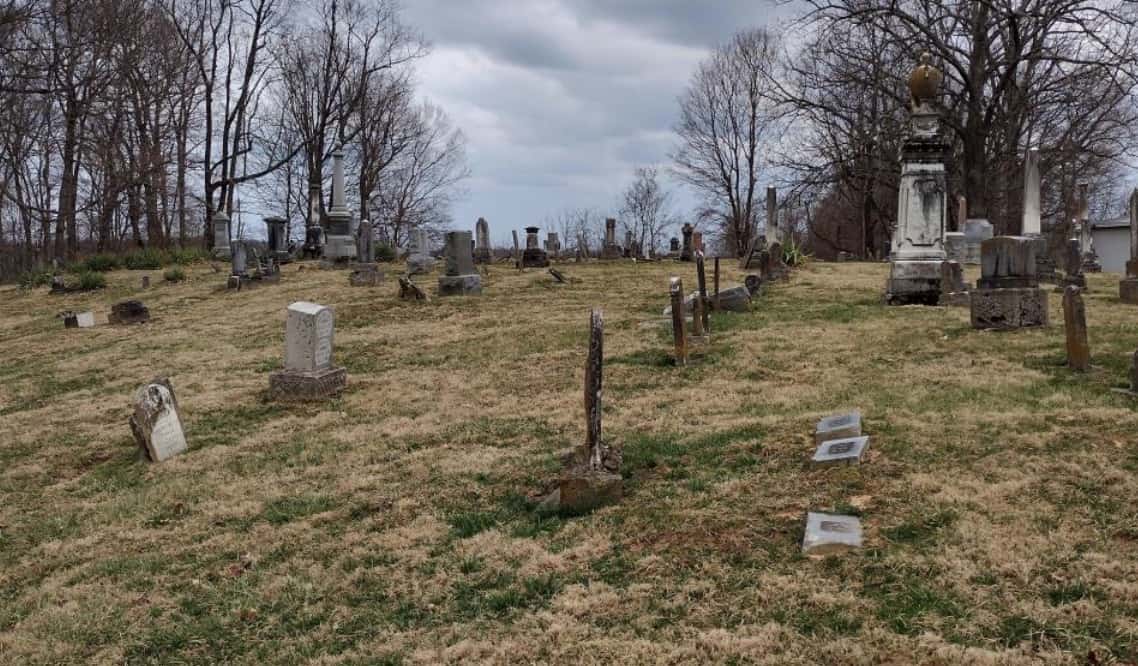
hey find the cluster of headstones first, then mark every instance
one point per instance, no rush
(122, 313)
(839, 441)
(700, 303)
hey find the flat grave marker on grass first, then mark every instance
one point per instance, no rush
(830, 534)
(848, 451)
(838, 426)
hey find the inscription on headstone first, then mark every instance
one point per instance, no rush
(841, 451)
(828, 534)
(839, 426)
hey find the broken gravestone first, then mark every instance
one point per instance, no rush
(156, 425)
(846, 451)
(830, 534)
(129, 312)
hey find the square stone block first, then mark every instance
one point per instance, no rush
(308, 337)
(296, 386)
(913, 283)
(828, 534)
(847, 451)
(585, 490)
(1128, 290)
(1007, 309)
(460, 285)
(839, 426)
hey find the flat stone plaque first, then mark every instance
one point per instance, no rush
(841, 451)
(828, 534)
(839, 426)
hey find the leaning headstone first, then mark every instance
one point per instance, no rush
(482, 241)
(847, 451)
(1075, 325)
(1008, 294)
(419, 260)
(838, 426)
(830, 534)
(1128, 287)
(129, 312)
(461, 279)
(534, 256)
(79, 320)
(558, 276)
(592, 478)
(308, 373)
(155, 423)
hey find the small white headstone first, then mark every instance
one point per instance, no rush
(156, 425)
(839, 426)
(308, 337)
(85, 319)
(828, 533)
(839, 451)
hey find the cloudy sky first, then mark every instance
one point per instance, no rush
(561, 99)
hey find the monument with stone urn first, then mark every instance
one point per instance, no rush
(917, 249)
(308, 373)
(1008, 294)
(340, 243)
(1128, 287)
(460, 279)
(534, 256)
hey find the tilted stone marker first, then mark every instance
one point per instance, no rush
(1128, 287)
(847, 451)
(679, 334)
(593, 477)
(79, 320)
(558, 276)
(155, 423)
(1075, 325)
(1008, 294)
(830, 534)
(461, 279)
(838, 426)
(701, 281)
(129, 312)
(308, 373)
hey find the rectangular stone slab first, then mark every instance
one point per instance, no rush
(828, 534)
(847, 451)
(838, 426)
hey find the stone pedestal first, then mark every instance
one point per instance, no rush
(1008, 294)
(584, 490)
(419, 261)
(610, 250)
(955, 246)
(913, 283)
(309, 373)
(340, 243)
(460, 285)
(534, 256)
(460, 278)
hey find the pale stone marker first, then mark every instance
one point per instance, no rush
(838, 426)
(156, 425)
(1031, 183)
(340, 242)
(841, 451)
(829, 534)
(79, 320)
(309, 373)
(461, 278)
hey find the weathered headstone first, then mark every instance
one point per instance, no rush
(674, 248)
(1073, 265)
(309, 373)
(1086, 237)
(679, 333)
(838, 426)
(534, 256)
(365, 272)
(1128, 287)
(753, 283)
(829, 534)
(955, 246)
(221, 235)
(238, 272)
(482, 254)
(276, 231)
(592, 479)
(314, 229)
(129, 312)
(686, 253)
(975, 233)
(419, 260)
(772, 216)
(340, 242)
(1008, 294)
(79, 320)
(155, 423)
(848, 451)
(1075, 325)
(1032, 223)
(460, 279)
(553, 244)
(917, 248)
(610, 250)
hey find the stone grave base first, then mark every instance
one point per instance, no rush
(1128, 290)
(420, 264)
(535, 259)
(365, 275)
(340, 249)
(913, 283)
(1007, 309)
(293, 386)
(460, 285)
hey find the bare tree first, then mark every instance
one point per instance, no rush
(646, 209)
(725, 115)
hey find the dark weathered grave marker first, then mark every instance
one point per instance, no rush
(1075, 325)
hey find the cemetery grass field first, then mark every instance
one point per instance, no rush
(398, 524)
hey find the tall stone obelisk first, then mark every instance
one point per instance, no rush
(340, 247)
(917, 249)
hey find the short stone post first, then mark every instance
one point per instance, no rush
(701, 278)
(678, 332)
(1075, 323)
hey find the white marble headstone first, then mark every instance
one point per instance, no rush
(156, 424)
(308, 337)
(838, 451)
(828, 533)
(839, 426)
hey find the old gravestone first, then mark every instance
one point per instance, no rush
(610, 250)
(79, 320)
(846, 451)
(686, 251)
(155, 423)
(365, 272)
(534, 256)
(419, 260)
(460, 279)
(1008, 294)
(1075, 326)
(828, 534)
(221, 235)
(129, 312)
(953, 290)
(838, 426)
(308, 373)
(482, 253)
(276, 231)
(679, 334)
(339, 242)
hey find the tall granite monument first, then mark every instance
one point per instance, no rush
(340, 243)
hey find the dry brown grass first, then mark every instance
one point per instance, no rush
(396, 525)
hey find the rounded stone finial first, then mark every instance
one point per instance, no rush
(924, 83)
